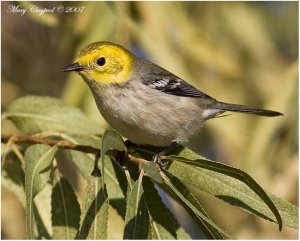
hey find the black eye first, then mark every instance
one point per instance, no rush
(101, 61)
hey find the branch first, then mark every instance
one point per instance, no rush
(63, 144)
(137, 159)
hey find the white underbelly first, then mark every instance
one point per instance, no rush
(159, 123)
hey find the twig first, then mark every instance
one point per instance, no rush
(7, 148)
(137, 160)
(17, 152)
(63, 144)
(128, 178)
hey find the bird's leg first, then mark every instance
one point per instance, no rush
(158, 156)
(96, 171)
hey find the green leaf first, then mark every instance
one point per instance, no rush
(13, 177)
(83, 162)
(111, 140)
(238, 174)
(231, 190)
(137, 218)
(163, 223)
(95, 211)
(65, 209)
(183, 194)
(34, 114)
(38, 159)
(42, 212)
(112, 175)
(209, 231)
(115, 179)
(84, 139)
(117, 186)
(152, 170)
(288, 211)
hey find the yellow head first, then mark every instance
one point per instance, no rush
(103, 62)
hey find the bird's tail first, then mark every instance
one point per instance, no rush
(245, 109)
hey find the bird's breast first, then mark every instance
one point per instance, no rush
(147, 116)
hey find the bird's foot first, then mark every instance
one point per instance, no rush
(158, 157)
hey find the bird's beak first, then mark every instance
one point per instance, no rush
(73, 67)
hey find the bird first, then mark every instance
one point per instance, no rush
(146, 103)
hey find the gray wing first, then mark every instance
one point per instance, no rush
(173, 85)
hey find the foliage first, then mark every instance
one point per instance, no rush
(146, 215)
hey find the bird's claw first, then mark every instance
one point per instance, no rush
(158, 159)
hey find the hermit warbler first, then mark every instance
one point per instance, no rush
(144, 102)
